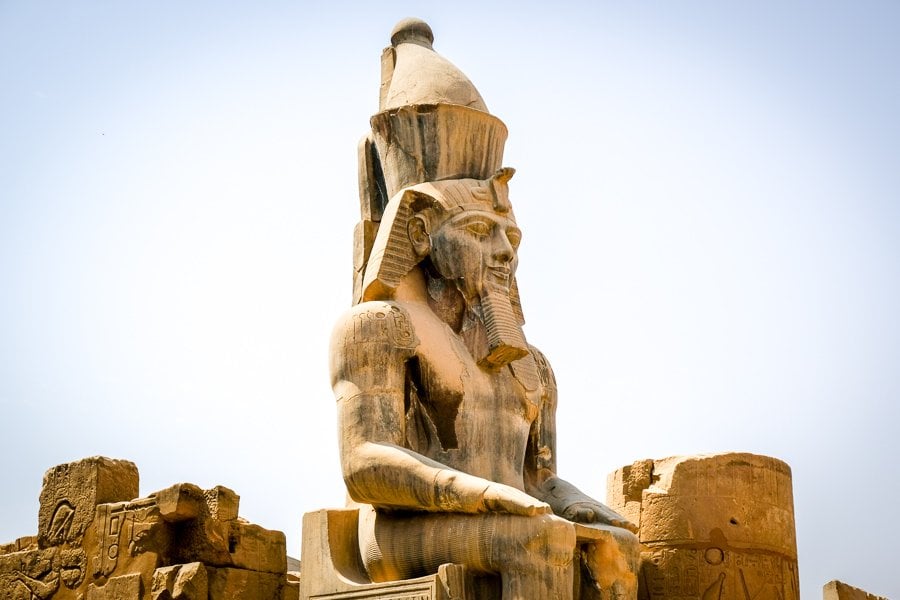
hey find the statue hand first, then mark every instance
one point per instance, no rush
(594, 512)
(498, 497)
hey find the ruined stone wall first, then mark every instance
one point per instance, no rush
(713, 527)
(97, 540)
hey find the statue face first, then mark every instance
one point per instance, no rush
(476, 249)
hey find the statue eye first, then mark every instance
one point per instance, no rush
(479, 228)
(515, 237)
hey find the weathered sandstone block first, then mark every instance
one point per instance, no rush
(717, 526)
(222, 503)
(227, 584)
(258, 549)
(838, 590)
(99, 541)
(72, 491)
(180, 502)
(124, 587)
(181, 582)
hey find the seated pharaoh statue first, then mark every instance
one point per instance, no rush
(446, 413)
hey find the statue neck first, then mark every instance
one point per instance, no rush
(442, 297)
(492, 345)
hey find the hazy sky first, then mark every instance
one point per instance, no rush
(709, 192)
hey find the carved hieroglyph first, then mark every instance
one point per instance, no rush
(447, 414)
(97, 540)
(714, 527)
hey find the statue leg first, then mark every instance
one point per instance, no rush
(610, 563)
(532, 555)
(538, 583)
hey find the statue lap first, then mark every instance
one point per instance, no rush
(400, 546)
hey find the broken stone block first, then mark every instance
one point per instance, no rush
(223, 503)
(125, 537)
(124, 587)
(163, 581)
(98, 540)
(28, 542)
(180, 502)
(28, 574)
(36, 573)
(202, 540)
(180, 582)
(191, 583)
(624, 488)
(714, 526)
(72, 491)
(226, 584)
(838, 590)
(72, 566)
(291, 590)
(258, 549)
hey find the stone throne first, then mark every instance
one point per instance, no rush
(436, 330)
(333, 569)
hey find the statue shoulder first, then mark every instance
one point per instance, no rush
(545, 371)
(370, 347)
(382, 323)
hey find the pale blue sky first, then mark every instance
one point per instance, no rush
(709, 193)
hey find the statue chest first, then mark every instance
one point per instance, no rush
(465, 416)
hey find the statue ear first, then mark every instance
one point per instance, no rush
(418, 235)
(417, 226)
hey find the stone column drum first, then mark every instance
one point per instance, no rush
(714, 527)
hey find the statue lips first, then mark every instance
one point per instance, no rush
(501, 274)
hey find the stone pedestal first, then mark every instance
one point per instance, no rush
(714, 527)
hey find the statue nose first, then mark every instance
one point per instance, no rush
(503, 249)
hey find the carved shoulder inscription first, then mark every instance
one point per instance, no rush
(383, 322)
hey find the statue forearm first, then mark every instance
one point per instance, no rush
(390, 476)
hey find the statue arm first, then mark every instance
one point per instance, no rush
(369, 357)
(541, 480)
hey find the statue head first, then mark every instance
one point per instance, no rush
(468, 235)
(463, 236)
(433, 187)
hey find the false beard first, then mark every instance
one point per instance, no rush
(506, 342)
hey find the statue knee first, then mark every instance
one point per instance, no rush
(547, 540)
(610, 563)
(628, 546)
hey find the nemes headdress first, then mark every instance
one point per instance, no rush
(433, 145)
